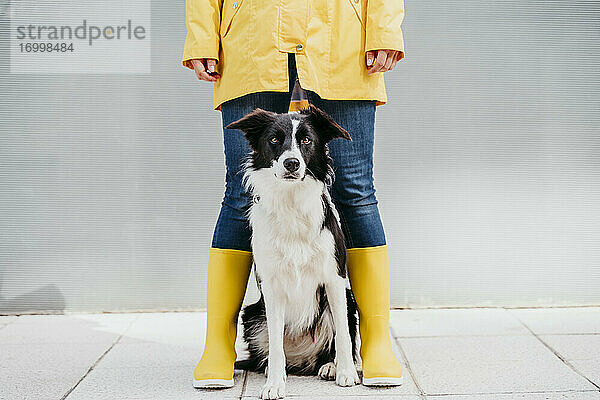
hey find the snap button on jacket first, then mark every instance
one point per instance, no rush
(251, 39)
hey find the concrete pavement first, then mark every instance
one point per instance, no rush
(462, 354)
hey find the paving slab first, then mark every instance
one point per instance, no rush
(37, 385)
(461, 377)
(567, 320)
(172, 383)
(476, 349)
(85, 328)
(575, 347)
(589, 368)
(7, 319)
(151, 354)
(453, 322)
(480, 364)
(182, 328)
(44, 370)
(49, 356)
(589, 395)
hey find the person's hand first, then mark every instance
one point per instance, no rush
(382, 60)
(205, 69)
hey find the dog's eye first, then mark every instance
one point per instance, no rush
(273, 140)
(306, 140)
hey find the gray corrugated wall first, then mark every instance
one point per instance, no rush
(487, 168)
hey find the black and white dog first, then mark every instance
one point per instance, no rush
(305, 320)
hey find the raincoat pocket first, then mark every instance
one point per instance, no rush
(359, 7)
(229, 11)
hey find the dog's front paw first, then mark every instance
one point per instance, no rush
(273, 390)
(327, 371)
(346, 376)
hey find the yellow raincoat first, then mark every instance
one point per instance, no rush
(251, 39)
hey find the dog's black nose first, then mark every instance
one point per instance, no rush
(291, 164)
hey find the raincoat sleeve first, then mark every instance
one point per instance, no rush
(203, 19)
(383, 27)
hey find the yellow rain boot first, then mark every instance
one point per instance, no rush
(368, 271)
(228, 272)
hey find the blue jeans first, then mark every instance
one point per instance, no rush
(352, 192)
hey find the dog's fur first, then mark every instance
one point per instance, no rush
(305, 320)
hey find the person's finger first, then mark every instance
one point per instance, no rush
(379, 62)
(203, 76)
(206, 63)
(391, 55)
(396, 59)
(200, 71)
(197, 63)
(211, 65)
(198, 68)
(370, 57)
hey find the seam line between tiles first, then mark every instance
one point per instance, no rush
(409, 369)
(244, 383)
(465, 307)
(556, 353)
(98, 360)
(572, 334)
(462, 336)
(529, 392)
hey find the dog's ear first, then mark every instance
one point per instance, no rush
(253, 124)
(324, 125)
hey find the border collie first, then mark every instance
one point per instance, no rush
(305, 320)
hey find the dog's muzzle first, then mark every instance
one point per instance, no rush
(291, 166)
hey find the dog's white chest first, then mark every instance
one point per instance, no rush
(292, 243)
(291, 249)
